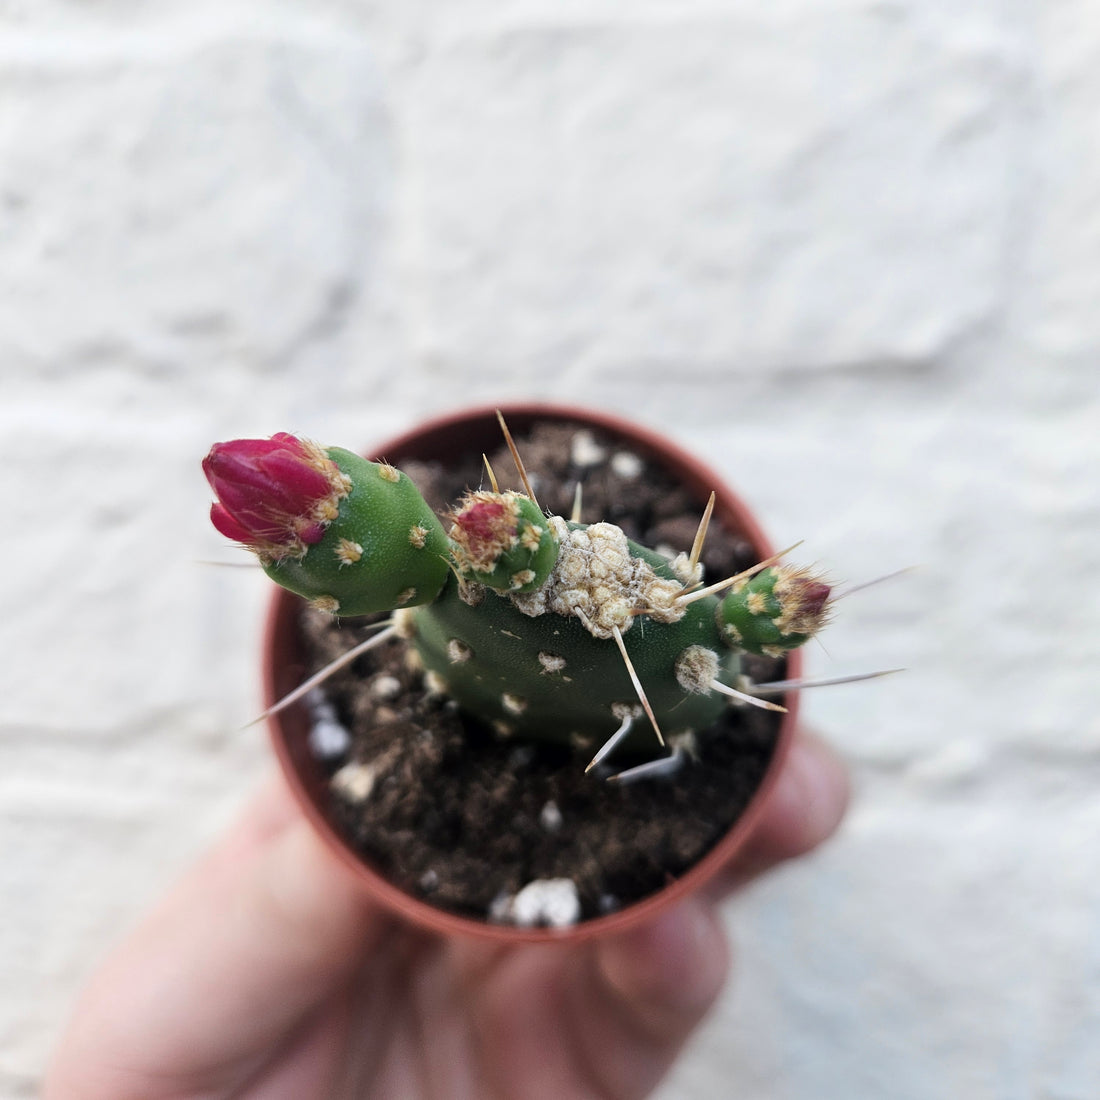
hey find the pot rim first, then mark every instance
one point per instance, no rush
(280, 630)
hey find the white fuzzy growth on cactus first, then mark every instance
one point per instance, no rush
(458, 651)
(404, 622)
(757, 603)
(531, 537)
(470, 592)
(697, 669)
(435, 684)
(597, 580)
(551, 662)
(348, 552)
(513, 704)
(682, 567)
(417, 537)
(686, 741)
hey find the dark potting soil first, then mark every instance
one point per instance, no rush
(462, 818)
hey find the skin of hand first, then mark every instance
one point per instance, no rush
(266, 974)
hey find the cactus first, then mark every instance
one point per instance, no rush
(544, 628)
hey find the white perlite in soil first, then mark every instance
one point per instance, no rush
(328, 738)
(544, 903)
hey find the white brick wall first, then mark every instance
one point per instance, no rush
(847, 251)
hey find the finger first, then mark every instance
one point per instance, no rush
(604, 1019)
(646, 990)
(236, 957)
(805, 809)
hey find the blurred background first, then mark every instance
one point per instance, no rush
(847, 251)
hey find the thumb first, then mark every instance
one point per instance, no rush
(648, 989)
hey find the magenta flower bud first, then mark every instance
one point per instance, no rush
(276, 496)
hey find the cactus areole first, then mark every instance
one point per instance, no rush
(544, 628)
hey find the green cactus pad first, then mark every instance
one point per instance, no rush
(385, 550)
(775, 611)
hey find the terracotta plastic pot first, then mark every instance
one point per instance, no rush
(284, 668)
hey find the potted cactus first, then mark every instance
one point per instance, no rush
(537, 637)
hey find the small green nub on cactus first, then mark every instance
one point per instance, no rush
(778, 609)
(502, 540)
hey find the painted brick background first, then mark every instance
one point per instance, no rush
(848, 251)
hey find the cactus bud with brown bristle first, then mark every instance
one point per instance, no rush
(776, 610)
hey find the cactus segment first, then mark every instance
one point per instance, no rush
(546, 676)
(384, 549)
(502, 540)
(777, 610)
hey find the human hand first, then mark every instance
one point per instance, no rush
(265, 973)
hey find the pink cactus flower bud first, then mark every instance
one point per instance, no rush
(484, 528)
(276, 496)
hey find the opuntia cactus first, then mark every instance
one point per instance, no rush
(544, 628)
